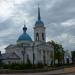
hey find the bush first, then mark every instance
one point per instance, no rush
(17, 66)
(23, 66)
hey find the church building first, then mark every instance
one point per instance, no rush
(26, 50)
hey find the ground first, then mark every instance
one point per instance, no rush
(39, 74)
(65, 71)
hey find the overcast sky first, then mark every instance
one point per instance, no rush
(57, 15)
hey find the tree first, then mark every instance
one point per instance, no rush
(73, 56)
(58, 52)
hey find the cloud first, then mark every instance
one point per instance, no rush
(57, 15)
(69, 23)
(6, 9)
(20, 1)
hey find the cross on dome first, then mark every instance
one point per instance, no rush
(24, 28)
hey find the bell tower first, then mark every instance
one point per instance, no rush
(39, 29)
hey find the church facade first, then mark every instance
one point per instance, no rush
(26, 50)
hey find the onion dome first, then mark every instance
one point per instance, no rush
(24, 36)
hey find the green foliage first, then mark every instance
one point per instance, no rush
(40, 65)
(73, 53)
(73, 56)
(23, 66)
(17, 66)
(58, 52)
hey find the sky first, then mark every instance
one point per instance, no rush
(58, 17)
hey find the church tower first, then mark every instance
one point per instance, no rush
(39, 29)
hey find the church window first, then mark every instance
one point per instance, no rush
(43, 36)
(37, 36)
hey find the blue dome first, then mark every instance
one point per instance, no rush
(39, 23)
(24, 37)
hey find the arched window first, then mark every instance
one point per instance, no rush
(43, 36)
(37, 37)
